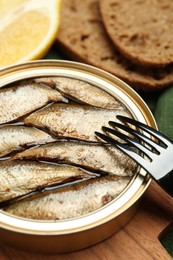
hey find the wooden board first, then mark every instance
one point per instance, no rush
(138, 240)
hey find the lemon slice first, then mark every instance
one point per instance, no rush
(27, 29)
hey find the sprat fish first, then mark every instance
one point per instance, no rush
(73, 120)
(91, 156)
(17, 137)
(20, 178)
(81, 91)
(18, 101)
(71, 201)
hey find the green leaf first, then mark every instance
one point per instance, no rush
(164, 112)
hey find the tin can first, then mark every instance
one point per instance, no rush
(74, 234)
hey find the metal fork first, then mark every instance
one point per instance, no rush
(156, 157)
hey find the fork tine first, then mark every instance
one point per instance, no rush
(161, 137)
(133, 142)
(125, 149)
(139, 135)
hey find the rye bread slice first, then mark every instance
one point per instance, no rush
(82, 37)
(141, 29)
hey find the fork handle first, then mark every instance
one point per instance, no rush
(166, 182)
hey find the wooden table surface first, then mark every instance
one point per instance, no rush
(138, 240)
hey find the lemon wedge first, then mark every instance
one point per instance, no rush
(27, 29)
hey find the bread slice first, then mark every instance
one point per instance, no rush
(82, 37)
(141, 29)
